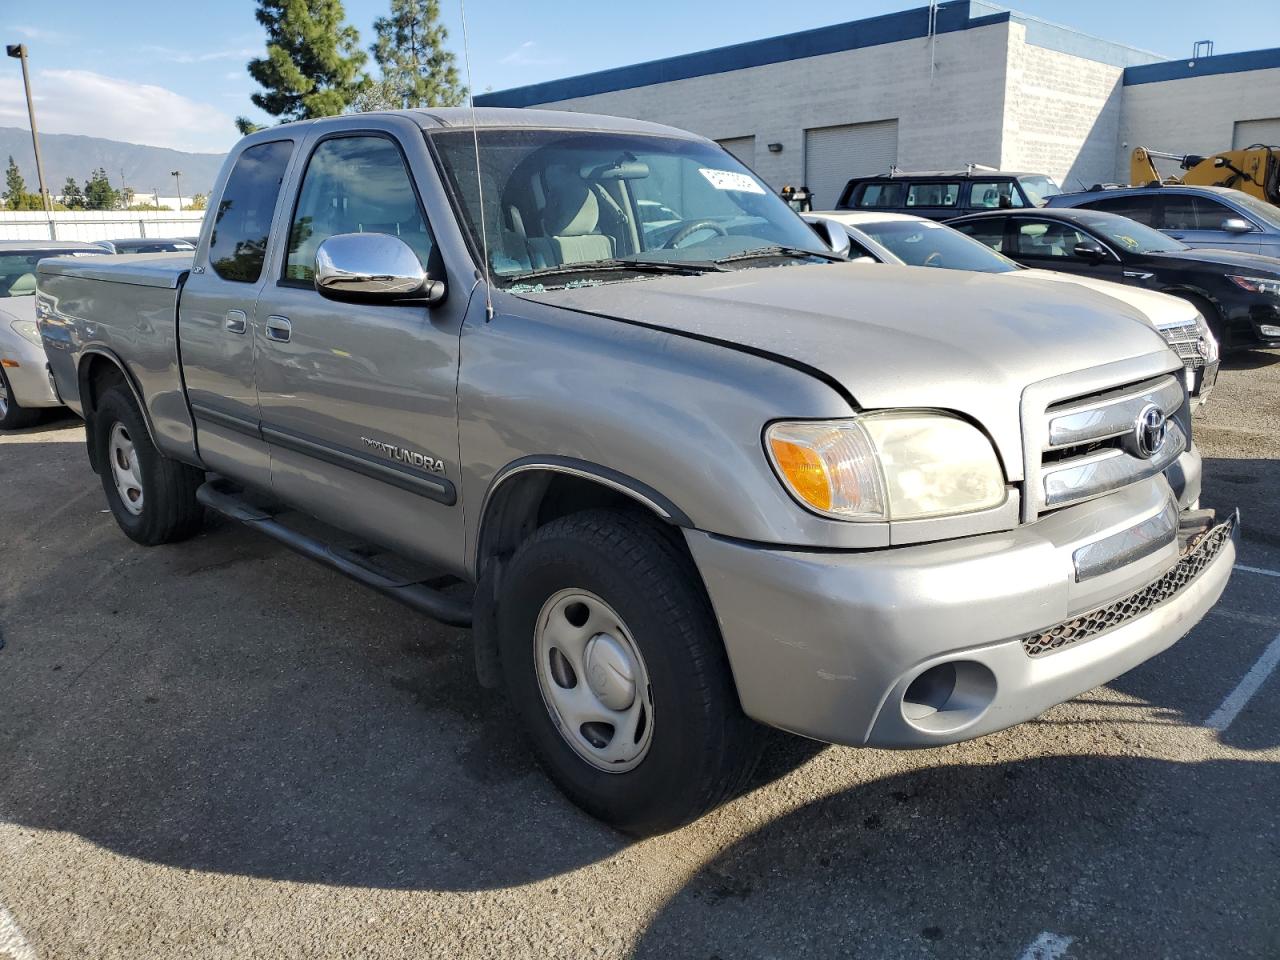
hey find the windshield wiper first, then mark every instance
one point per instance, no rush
(683, 267)
(780, 251)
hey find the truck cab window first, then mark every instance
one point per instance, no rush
(238, 244)
(354, 185)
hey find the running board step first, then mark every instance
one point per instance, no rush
(413, 593)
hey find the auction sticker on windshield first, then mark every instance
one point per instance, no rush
(731, 180)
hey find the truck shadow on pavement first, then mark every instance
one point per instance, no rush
(1132, 857)
(223, 706)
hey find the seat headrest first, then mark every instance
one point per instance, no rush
(572, 209)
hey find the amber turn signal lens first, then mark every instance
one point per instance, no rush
(804, 471)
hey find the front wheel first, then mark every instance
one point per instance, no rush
(613, 660)
(152, 497)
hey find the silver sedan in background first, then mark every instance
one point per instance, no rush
(25, 388)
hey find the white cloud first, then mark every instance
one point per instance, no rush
(79, 101)
(38, 33)
(195, 56)
(526, 55)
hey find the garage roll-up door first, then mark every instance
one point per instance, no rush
(744, 148)
(1249, 132)
(832, 155)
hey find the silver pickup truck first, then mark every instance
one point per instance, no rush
(589, 386)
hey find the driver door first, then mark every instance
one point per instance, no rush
(359, 400)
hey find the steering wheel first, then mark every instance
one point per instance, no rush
(689, 229)
(932, 259)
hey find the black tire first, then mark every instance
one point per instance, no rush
(702, 748)
(13, 416)
(169, 511)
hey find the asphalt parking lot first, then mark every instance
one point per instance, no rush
(218, 750)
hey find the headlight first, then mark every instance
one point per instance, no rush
(27, 330)
(887, 466)
(1209, 347)
(1256, 284)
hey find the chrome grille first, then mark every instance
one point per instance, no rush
(1185, 340)
(1089, 445)
(1197, 555)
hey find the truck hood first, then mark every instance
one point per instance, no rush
(1159, 308)
(894, 336)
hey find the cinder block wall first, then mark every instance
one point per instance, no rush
(952, 114)
(1193, 114)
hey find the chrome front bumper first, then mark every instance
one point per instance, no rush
(926, 645)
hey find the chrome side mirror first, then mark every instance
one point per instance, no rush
(1237, 225)
(837, 237)
(373, 267)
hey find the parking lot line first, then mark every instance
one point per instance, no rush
(1047, 946)
(1221, 718)
(1265, 573)
(12, 943)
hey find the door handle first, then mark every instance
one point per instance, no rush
(237, 321)
(278, 329)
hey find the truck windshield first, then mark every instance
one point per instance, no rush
(568, 202)
(1039, 188)
(923, 243)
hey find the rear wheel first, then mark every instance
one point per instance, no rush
(13, 416)
(612, 657)
(152, 497)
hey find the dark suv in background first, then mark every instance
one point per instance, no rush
(941, 195)
(1215, 217)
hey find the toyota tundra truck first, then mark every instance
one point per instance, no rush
(591, 388)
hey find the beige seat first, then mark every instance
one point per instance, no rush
(571, 221)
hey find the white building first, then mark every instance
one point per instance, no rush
(935, 88)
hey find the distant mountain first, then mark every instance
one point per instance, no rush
(144, 168)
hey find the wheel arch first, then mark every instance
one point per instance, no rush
(526, 494)
(97, 370)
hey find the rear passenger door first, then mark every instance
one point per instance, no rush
(217, 311)
(359, 400)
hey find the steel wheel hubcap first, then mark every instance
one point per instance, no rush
(593, 680)
(124, 469)
(4, 397)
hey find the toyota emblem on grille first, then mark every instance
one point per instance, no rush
(1149, 430)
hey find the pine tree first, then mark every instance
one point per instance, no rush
(72, 198)
(314, 64)
(15, 188)
(417, 70)
(98, 192)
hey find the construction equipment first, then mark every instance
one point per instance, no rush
(1255, 170)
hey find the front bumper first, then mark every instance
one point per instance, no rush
(924, 645)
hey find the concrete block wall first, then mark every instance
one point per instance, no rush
(1194, 114)
(948, 115)
(1062, 114)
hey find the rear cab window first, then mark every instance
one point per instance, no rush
(242, 224)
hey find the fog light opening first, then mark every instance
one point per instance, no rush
(948, 696)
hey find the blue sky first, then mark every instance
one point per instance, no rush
(172, 74)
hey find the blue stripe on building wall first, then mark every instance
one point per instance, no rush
(1204, 67)
(891, 28)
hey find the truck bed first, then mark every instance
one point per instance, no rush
(123, 307)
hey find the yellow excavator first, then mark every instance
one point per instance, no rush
(1254, 170)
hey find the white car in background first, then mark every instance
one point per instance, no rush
(914, 241)
(25, 387)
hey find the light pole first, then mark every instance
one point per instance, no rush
(19, 52)
(177, 175)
